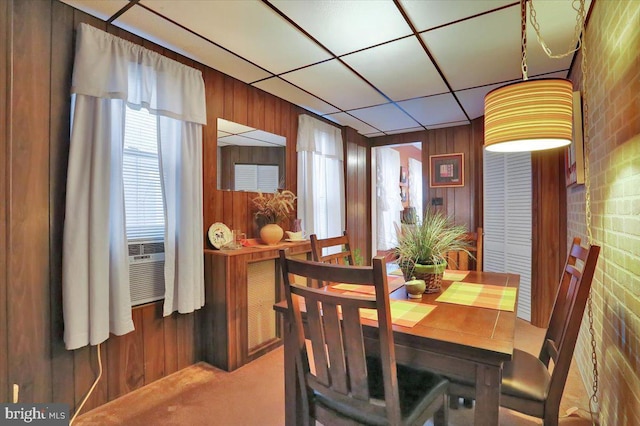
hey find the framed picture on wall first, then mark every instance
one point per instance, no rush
(446, 170)
(574, 153)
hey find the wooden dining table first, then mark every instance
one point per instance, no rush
(465, 342)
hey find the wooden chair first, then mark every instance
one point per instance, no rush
(342, 257)
(459, 260)
(529, 385)
(346, 387)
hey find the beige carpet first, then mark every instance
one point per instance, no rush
(254, 395)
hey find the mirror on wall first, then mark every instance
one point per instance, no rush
(249, 159)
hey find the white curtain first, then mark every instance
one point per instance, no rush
(321, 201)
(415, 186)
(108, 72)
(389, 202)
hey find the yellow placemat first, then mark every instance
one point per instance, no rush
(450, 275)
(404, 313)
(480, 295)
(394, 284)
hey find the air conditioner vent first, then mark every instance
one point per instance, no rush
(146, 271)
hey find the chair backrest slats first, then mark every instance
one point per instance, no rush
(342, 257)
(459, 260)
(335, 331)
(566, 316)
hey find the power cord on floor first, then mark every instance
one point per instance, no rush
(92, 386)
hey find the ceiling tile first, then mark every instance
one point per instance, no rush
(479, 51)
(401, 69)
(346, 26)
(345, 119)
(165, 33)
(291, 93)
(101, 9)
(249, 28)
(430, 14)
(434, 109)
(336, 84)
(472, 100)
(385, 117)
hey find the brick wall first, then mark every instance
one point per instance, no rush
(613, 99)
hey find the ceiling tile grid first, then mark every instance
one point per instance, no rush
(380, 67)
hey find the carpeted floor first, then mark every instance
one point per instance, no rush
(254, 395)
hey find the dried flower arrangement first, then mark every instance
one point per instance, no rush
(273, 208)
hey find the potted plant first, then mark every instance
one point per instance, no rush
(271, 209)
(422, 248)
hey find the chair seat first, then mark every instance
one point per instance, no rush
(417, 388)
(524, 377)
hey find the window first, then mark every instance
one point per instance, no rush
(144, 209)
(142, 189)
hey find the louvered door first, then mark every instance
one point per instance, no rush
(508, 220)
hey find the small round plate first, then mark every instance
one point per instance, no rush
(219, 235)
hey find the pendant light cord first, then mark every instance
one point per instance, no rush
(523, 38)
(577, 43)
(593, 401)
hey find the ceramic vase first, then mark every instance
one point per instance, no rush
(271, 233)
(415, 288)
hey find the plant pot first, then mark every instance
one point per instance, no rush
(271, 233)
(431, 274)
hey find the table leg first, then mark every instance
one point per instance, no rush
(292, 393)
(488, 381)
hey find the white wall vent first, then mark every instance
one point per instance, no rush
(146, 271)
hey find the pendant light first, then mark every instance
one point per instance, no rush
(530, 115)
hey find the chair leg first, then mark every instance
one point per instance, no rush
(454, 402)
(441, 417)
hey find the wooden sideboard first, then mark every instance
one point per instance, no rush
(241, 286)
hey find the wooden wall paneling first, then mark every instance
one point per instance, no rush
(229, 98)
(5, 168)
(28, 314)
(125, 360)
(256, 109)
(549, 232)
(463, 209)
(86, 370)
(170, 330)
(186, 340)
(61, 70)
(214, 87)
(240, 102)
(477, 153)
(153, 342)
(242, 217)
(364, 164)
(227, 207)
(290, 127)
(358, 215)
(271, 113)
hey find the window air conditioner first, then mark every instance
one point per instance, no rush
(146, 271)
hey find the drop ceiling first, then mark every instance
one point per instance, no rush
(381, 67)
